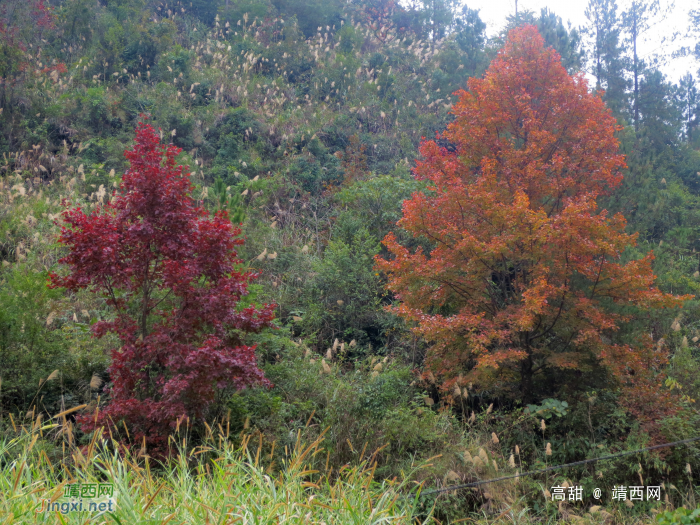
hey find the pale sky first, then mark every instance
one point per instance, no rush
(493, 13)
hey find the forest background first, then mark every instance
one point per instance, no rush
(303, 120)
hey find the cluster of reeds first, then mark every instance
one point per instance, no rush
(217, 482)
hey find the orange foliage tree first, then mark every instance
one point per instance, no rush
(524, 270)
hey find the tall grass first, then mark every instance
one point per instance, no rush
(214, 484)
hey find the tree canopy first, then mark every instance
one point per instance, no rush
(523, 266)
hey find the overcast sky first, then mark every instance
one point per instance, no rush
(493, 13)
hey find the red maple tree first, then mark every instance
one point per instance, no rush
(523, 266)
(170, 272)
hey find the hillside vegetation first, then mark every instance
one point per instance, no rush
(310, 124)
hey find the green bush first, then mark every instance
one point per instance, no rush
(29, 350)
(376, 202)
(361, 407)
(344, 296)
(680, 516)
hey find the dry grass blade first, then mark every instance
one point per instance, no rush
(150, 501)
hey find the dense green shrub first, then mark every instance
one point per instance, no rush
(678, 517)
(363, 409)
(29, 350)
(344, 296)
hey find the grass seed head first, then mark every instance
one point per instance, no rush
(95, 382)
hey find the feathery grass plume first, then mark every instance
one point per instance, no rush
(377, 367)
(468, 456)
(684, 342)
(329, 354)
(307, 354)
(374, 374)
(340, 302)
(352, 343)
(263, 254)
(335, 344)
(472, 418)
(50, 318)
(95, 382)
(477, 462)
(452, 476)
(517, 450)
(489, 409)
(53, 375)
(688, 469)
(543, 427)
(457, 392)
(494, 438)
(676, 326)
(548, 450)
(272, 255)
(326, 368)
(511, 461)
(312, 361)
